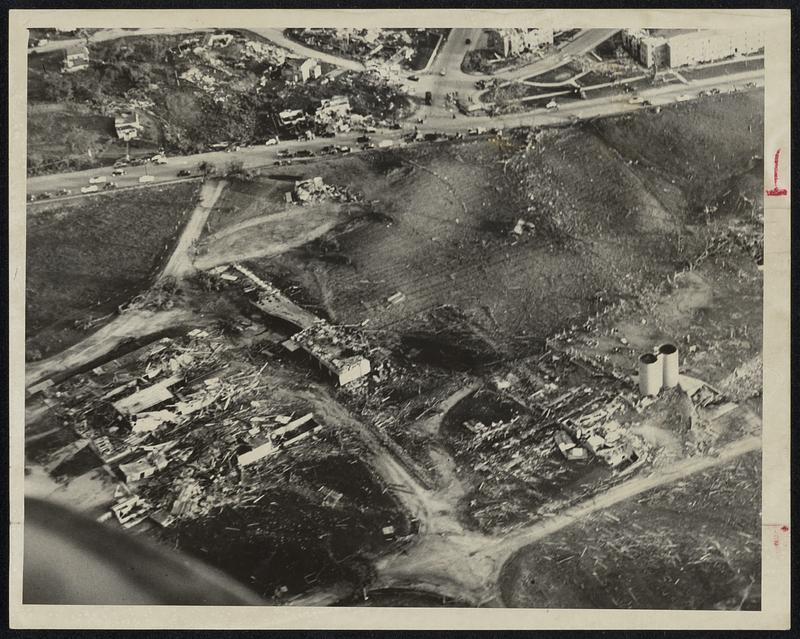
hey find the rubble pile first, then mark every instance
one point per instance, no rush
(173, 420)
(314, 190)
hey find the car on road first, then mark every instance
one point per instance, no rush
(683, 97)
(282, 162)
(284, 153)
(551, 105)
(636, 100)
(367, 146)
(443, 73)
(271, 142)
(414, 78)
(363, 139)
(327, 150)
(138, 161)
(109, 185)
(343, 149)
(118, 171)
(120, 162)
(305, 153)
(147, 178)
(467, 41)
(90, 189)
(97, 179)
(161, 160)
(184, 173)
(65, 192)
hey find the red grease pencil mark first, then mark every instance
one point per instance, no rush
(776, 190)
(777, 538)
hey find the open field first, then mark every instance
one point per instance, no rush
(694, 544)
(86, 257)
(614, 204)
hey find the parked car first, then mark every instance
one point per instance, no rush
(121, 162)
(184, 173)
(271, 142)
(551, 105)
(467, 41)
(328, 134)
(282, 162)
(118, 171)
(161, 160)
(110, 185)
(284, 153)
(327, 150)
(97, 179)
(442, 72)
(343, 149)
(366, 147)
(683, 97)
(90, 189)
(363, 139)
(65, 192)
(305, 153)
(413, 78)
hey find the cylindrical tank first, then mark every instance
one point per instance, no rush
(669, 359)
(650, 374)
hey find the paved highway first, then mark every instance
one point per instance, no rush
(265, 155)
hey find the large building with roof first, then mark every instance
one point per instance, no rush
(663, 48)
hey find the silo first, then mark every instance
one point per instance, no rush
(669, 358)
(650, 374)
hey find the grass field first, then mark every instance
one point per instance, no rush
(695, 544)
(86, 257)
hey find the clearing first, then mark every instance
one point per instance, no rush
(694, 544)
(87, 256)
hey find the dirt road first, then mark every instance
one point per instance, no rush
(132, 324)
(466, 566)
(276, 37)
(137, 322)
(181, 261)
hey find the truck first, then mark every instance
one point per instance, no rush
(428, 98)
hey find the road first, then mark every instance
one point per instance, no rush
(103, 35)
(276, 37)
(181, 261)
(467, 566)
(260, 156)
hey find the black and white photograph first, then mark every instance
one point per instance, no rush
(381, 317)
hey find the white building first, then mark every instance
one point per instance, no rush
(683, 47)
(511, 42)
(299, 70)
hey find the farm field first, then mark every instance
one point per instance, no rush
(694, 544)
(86, 257)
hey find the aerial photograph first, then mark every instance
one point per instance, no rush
(394, 317)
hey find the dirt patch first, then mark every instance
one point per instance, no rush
(691, 545)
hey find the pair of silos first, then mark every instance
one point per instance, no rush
(658, 371)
